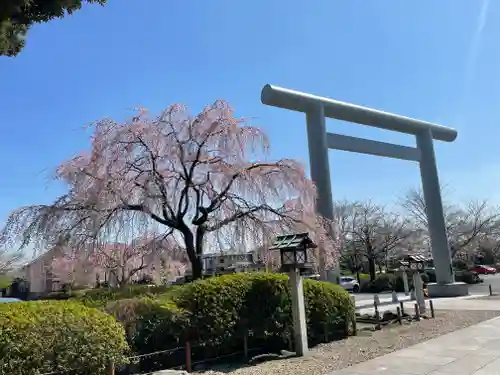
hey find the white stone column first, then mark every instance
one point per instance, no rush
(434, 209)
(320, 172)
(405, 283)
(419, 291)
(298, 313)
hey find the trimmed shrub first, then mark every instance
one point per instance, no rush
(58, 336)
(101, 296)
(364, 276)
(431, 274)
(216, 314)
(328, 308)
(224, 308)
(216, 305)
(425, 278)
(467, 277)
(152, 326)
(460, 265)
(388, 282)
(383, 282)
(399, 285)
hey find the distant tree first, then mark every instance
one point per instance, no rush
(122, 262)
(17, 16)
(372, 232)
(200, 178)
(467, 226)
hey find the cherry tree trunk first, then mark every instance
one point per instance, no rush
(371, 269)
(197, 268)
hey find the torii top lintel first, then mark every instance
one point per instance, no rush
(298, 101)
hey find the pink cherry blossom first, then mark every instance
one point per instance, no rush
(206, 180)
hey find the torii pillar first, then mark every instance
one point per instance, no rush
(319, 141)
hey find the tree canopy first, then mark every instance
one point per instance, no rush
(17, 16)
(205, 179)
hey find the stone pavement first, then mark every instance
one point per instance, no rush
(473, 350)
(457, 303)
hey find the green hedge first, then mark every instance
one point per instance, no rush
(388, 282)
(99, 297)
(467, 277)
(224, 306)
(216, 314)
(58, 336)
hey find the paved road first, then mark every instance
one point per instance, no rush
(494, 280)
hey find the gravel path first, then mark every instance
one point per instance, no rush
(337, 355)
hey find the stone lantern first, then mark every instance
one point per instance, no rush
(294, 257)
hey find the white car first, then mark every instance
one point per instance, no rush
(349, 283)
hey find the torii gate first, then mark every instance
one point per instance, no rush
(317, 108)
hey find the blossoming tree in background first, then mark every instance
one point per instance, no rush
(207, 179)
(117, 263)
(64, 269)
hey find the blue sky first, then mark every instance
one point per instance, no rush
(434, 60)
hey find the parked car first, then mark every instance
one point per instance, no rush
(9, 299)
(312, 276)
(484, 270)
(349, 283)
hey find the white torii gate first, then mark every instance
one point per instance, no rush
(318, 108)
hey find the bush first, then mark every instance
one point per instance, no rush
(216, 314)
(431, 274)
(145, 280)
(225, 307)
(151, 326)
(101, 296)
(58, 336)
(460, 264)
(328, 308)
(389, 282)
(425, 278)
(216, 305)
(467, 277)
(364, 276)
(383, 282)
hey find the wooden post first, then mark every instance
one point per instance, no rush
(245, 345)
(431, 305)
(111, 367)
(188, 356)
(377, 318)
(399, 315)
(346, 327)
(402, 308)
(417, 312)
(377, 314)
(491, 291)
